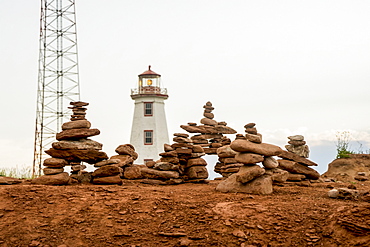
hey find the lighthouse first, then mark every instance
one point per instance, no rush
(149, 126)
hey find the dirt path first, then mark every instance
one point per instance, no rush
(137, 214)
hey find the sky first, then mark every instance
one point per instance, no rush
(292, 67)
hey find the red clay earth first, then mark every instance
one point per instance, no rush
(136, 214)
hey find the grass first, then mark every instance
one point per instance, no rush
(16, 172)
(343, 148)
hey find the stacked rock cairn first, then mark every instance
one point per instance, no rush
(210, 133)
(180, 162)
(111, 171)
(72, 148)
(296, 163)
(247, 176)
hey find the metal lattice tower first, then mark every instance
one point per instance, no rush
(58, 79)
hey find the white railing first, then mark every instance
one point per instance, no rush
(149, 90)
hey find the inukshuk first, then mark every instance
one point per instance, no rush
(249, 151)
(295, 161)
(210, 132)
(72, 148)
(111, 171)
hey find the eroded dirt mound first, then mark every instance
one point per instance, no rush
(346, 169)
(136, 214)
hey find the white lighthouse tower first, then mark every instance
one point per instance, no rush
(149, 126)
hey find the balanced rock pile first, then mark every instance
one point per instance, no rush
(210, 132)
(297, 145)
(227, 165)
(112, 171)
(296, 163)
(73, 147)
(179, 162)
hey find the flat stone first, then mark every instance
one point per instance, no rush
(106, 171)
(296, 138)
(249, 125)
(197, 172)
(228, 160)
(295, 177)
(180, 139)
(126, 160)
(261, 185)
(55, 162)
(127, 149)
(51, 171)
(84, 124)
(153, 173)
(197, 149)
(248, 173)
(9, 180)
(57, 179)
(254, 138)
(196, 162)
(292, 156)
(297, 143)
(252, 131)
(173, 160)
(208, 115)
(166, 166)
(197, 155)
(77, 168)
(181, 135)
(132, 172)
(248, 158)
(226, 152)
(207, 121)
(295, 167)
(230, 170)
(108, 180)
(278, 175)
(210, 150)
(302, 151)
(89, 156)
(241, 145)
(80, 144)
(169, 154)
(79, 103)
(107, 162)
(167, 147)
(223, 129)
(76, 134)
(270, 162)
(215, 145)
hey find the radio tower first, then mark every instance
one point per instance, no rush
(58, 80)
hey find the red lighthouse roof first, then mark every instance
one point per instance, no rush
(149, 72)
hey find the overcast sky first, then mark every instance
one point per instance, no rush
(292, 67)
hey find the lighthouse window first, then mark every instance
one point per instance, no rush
(148, 109)
(148, 137)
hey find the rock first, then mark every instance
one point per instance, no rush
(248, 173)
(79, 124)
(197, 172)
(196, 162)
(173, 160)
(152, 173)
(9, 180)
(108, 180)
(197, 155)
(296, 177)
(166, 166)
(150, 163)
(295, 167)
(254, 138)
(297, 143)
(228, 160)
(84, 178)
(302, 151)
(207, 121)
(57, 179)
(241, 145)
(181, 135)
(210, 150)
(167, 148)
(219, 128)
(126, 160)
(225, 152)
(107, 162)
(261, 185)
(252, 131)
(270, 162)
(169, 154)
(105, 171)
(248, 158)
(132, 172)
(80, 144)
(51, 171)
(215, 145)
(249, 125)
(296, 138)
(197, 149)
(90, 156)
(208, 115)
(334, 193)
(76, 134)
(55, 162)
(361, 178)
(278, 175)
(127, 149)
(180, 139)
(292, 156)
